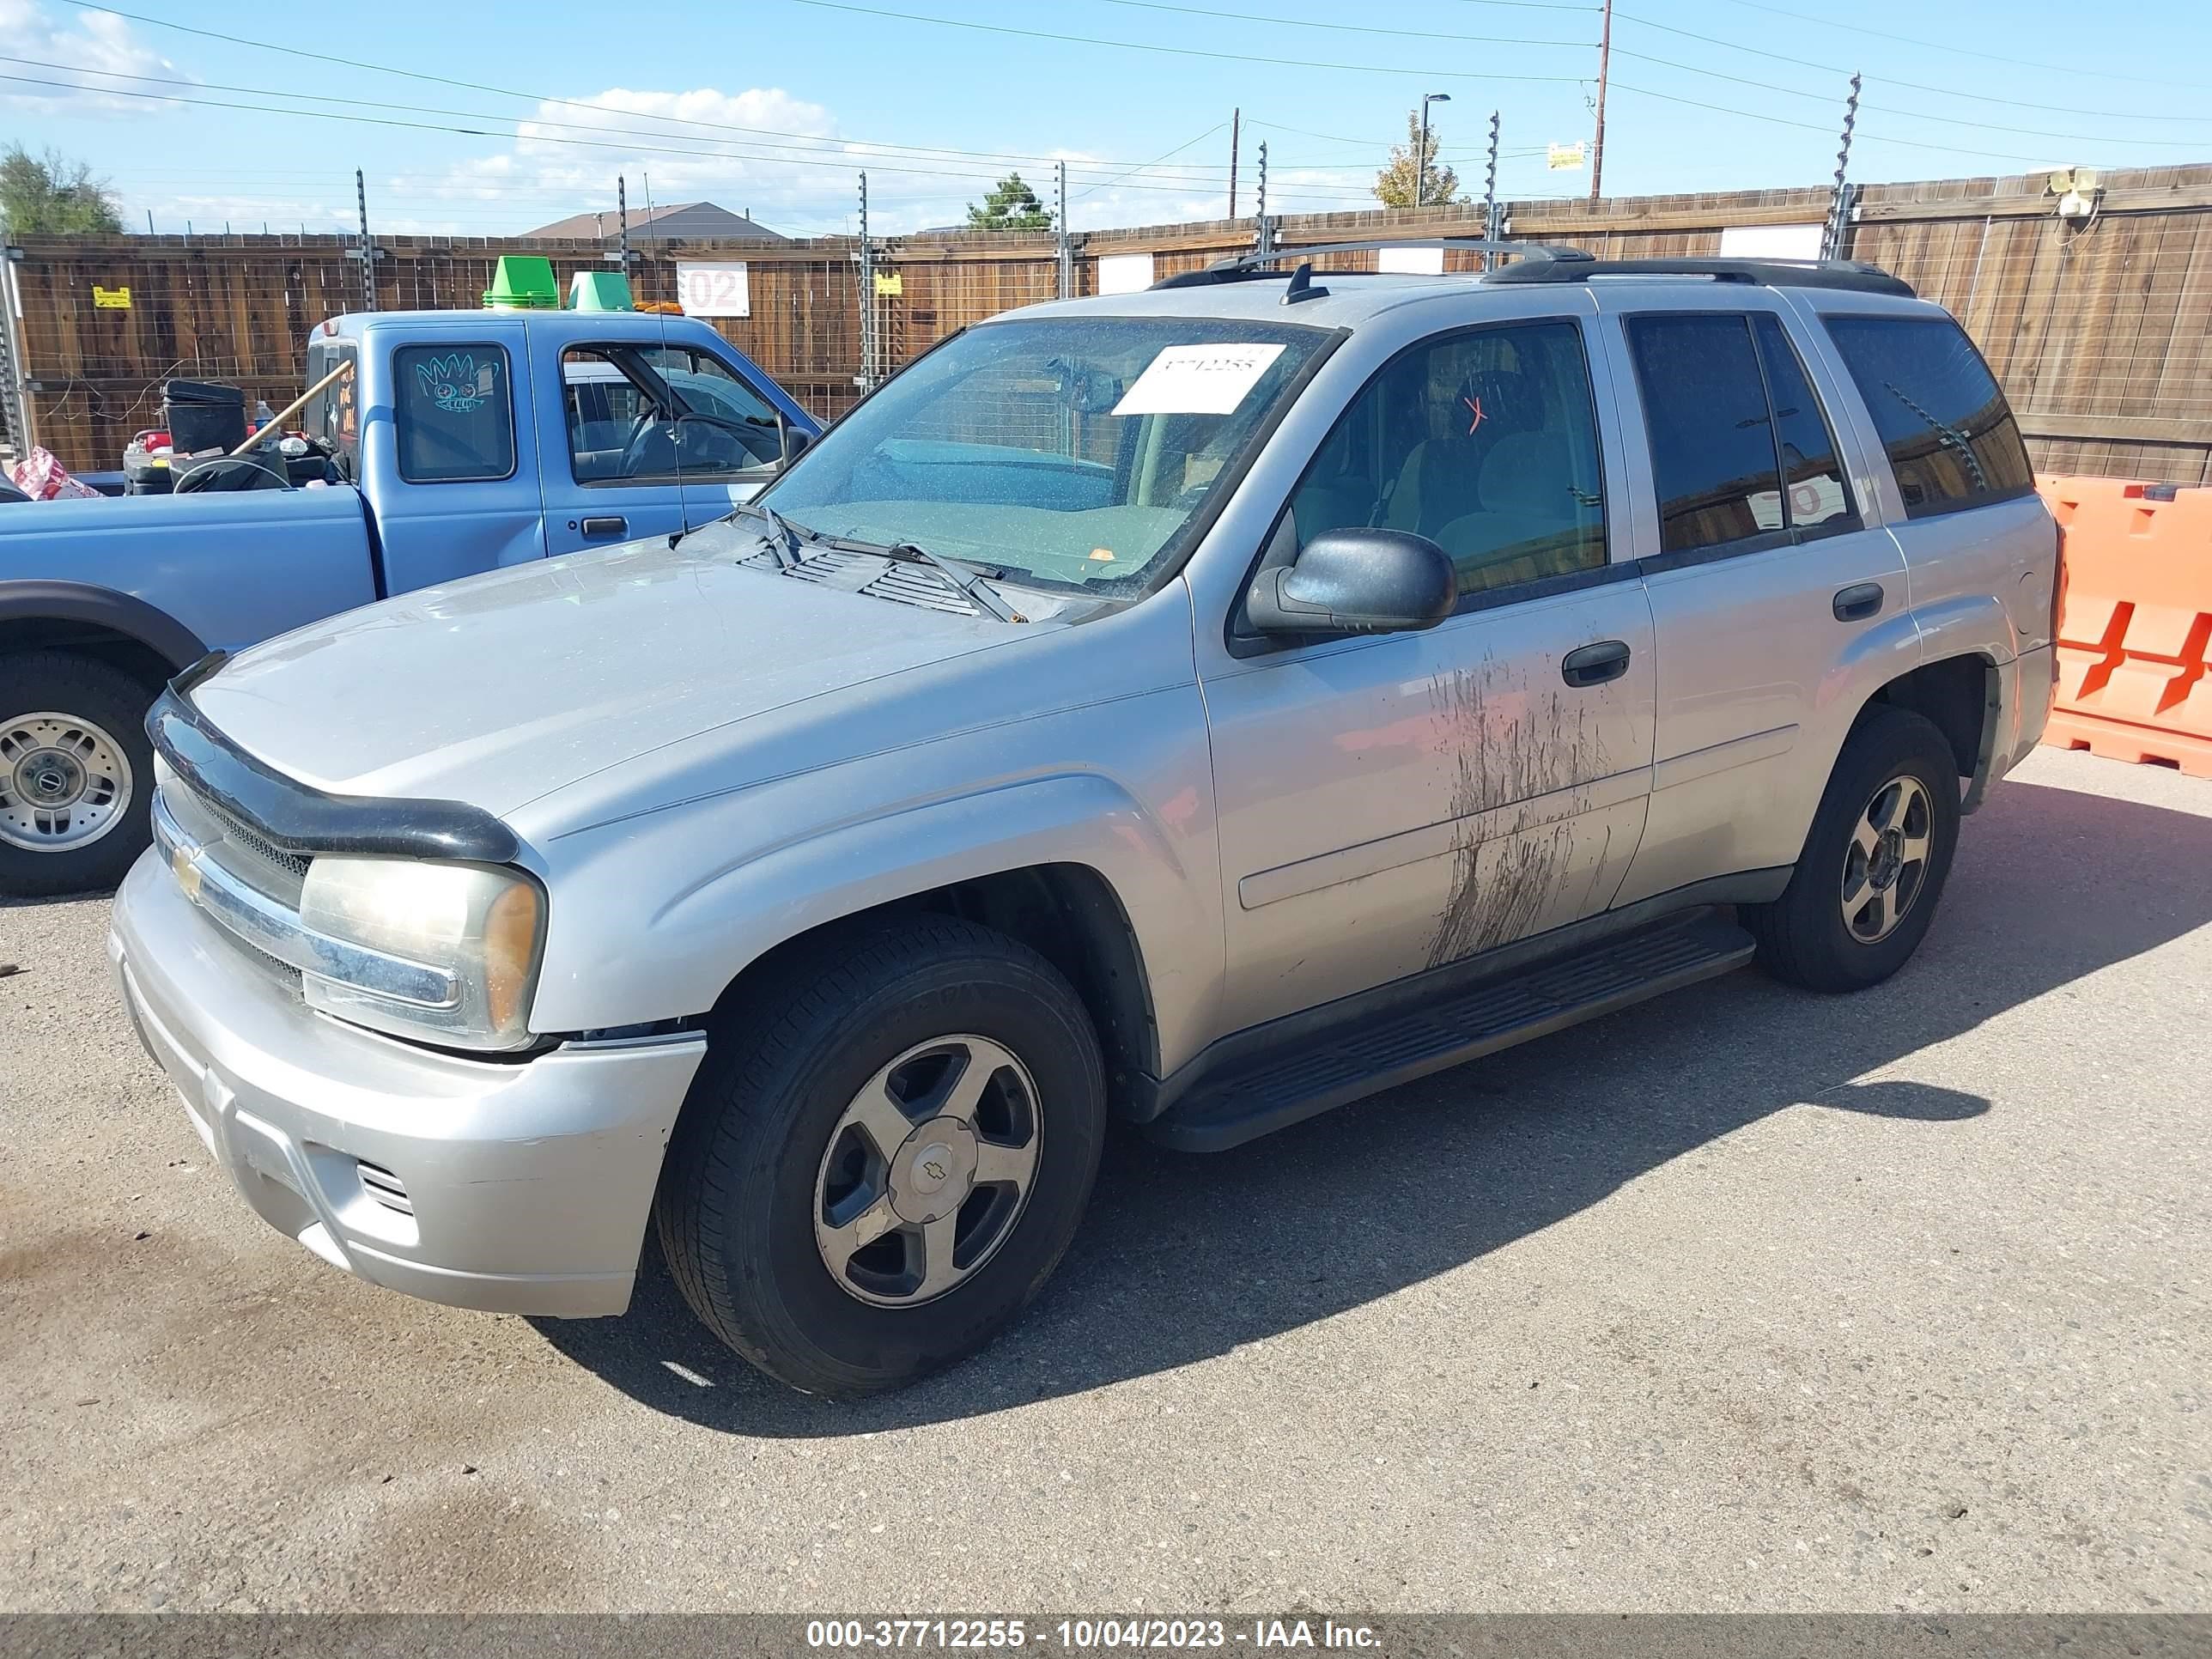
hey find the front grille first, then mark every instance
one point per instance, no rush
(234, 844)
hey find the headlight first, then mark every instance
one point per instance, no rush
(461, 945)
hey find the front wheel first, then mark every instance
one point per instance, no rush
(886, 1154)
(77, 774)
(1874, 862)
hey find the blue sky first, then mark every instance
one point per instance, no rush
(774, 104)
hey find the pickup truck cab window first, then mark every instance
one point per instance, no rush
(1484, 441)
(454, 413)
(624, 406)
(1073, 452)
(334, 417)
(1951, 439)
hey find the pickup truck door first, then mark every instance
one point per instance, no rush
(1770, 589)
(449, 456)
(1390, 804)
(618, 466)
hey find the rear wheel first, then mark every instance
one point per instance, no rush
(886, 1153)
(1874, 862)
(77, 774)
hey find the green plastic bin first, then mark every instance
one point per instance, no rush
(523, 281)
(599, 290)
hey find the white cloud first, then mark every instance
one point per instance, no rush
(95, 41)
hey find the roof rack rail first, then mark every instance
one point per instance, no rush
(1254, 265)
(1851, 274)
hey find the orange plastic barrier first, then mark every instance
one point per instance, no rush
(2136, 623)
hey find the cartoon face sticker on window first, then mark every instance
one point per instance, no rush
(457, 382)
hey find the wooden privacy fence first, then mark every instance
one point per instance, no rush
(2101, 330)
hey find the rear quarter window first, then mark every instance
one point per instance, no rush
(453, 409)
(1950, 437)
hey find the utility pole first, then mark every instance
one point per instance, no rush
(1236, 133)
(1839, 205)
(367, 253)
(1489, 191)
(622, 222)
(867, 378)
(1604, 67)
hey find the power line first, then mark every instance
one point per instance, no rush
(1181, 52)
(1892, 80)
(1892, 109)
(846, 163)
(2065, 70)
(1177, 150)
(546, 97)
(1345, 29)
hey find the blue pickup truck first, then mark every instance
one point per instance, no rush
(459, 442)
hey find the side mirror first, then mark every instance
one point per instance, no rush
(1356, 581)
(795, 440)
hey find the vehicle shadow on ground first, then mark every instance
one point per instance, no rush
(1183, 1257)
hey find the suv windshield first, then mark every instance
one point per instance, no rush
(1075, 452)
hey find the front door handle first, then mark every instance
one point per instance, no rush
(1857, 602)
(606, 526)
(1593, 664)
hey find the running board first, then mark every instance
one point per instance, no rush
(1346, 1064)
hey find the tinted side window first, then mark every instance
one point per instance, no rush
(454, 410)
(1950, 438)
(1712, 441)
(1484, 442)
(1815, 501)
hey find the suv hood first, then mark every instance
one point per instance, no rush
(500, 690)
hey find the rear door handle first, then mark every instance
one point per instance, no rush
(1593, 664)
(607, 526)
(1857, 602)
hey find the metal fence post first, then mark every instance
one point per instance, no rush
(866, 380)
(365, 254)
(1064, 246)
(1839, 204)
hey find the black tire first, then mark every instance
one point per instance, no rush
(737, 1202)
(100, 696)
(1803, 938)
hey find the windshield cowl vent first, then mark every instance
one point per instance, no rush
(873, 574)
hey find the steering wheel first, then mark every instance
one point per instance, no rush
(730, 453)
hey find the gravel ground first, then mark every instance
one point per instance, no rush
(1743, 1299)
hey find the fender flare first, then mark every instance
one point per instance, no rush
(108, 608)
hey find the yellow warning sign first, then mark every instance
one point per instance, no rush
(110, 299)
(890, 284)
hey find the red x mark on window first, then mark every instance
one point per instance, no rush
(1475, 405)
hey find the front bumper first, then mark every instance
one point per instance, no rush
(518, 1187)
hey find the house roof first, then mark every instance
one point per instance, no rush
(692, 222)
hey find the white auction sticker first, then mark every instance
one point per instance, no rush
(1200, 379)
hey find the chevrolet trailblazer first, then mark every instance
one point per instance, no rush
(1206, 706)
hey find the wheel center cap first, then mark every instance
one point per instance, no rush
(1888, 861)
(934, 1171)
(50, 777)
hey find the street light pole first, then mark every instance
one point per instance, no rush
(1421, 155)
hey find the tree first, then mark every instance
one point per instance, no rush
(1394, 186)
(1011, 205)
(54, 195)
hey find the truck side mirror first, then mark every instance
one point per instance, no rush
(795, 440)
(1356, 581)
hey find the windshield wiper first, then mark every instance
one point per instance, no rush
(785, 536)
(968, 579)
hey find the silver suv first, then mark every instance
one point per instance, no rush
(1203, 707)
